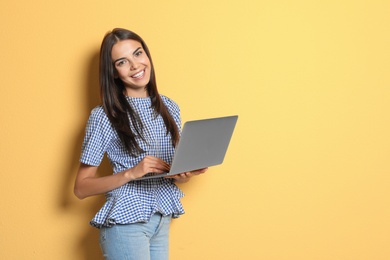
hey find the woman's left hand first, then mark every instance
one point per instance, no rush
(185, 176)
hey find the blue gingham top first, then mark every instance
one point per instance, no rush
(135, 201)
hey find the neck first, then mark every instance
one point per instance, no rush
(137, 93)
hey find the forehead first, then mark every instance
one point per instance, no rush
(124, 48)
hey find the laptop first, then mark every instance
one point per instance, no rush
(203, 143)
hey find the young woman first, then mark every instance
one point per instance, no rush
(138, 129)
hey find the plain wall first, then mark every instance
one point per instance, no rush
(307, 172)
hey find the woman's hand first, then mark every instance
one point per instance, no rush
(147, 165)
(88, 183)
(185, 176)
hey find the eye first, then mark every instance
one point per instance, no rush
(121, 63)
(138, 53)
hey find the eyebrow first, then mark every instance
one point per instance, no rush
(134, 52)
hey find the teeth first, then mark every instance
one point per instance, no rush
(138, 74)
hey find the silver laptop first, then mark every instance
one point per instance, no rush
(203, 143)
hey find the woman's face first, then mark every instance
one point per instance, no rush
(132, 66)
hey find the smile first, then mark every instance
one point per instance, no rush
(139, 74)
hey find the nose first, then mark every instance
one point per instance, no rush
(133, 64)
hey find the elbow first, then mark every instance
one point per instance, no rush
(78, 193)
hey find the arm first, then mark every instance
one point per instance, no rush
(88, 183)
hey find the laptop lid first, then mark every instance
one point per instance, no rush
(203, 143)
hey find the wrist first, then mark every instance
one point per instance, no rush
(128, 175)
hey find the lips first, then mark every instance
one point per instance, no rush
(138, 75)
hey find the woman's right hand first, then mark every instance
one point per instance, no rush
(147, 165)
(88, 183)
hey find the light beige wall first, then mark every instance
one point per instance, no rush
(307, 172)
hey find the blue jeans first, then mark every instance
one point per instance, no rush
(138, 241)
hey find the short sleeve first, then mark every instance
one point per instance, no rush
(98, 135)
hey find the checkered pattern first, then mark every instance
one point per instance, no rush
(135, 201)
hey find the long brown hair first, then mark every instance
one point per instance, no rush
(114, 102)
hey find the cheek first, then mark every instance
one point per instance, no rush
(146, 61)
(120, 74)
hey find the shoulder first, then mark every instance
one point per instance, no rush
(98, 117)
(98, 111)
(171, 105)
(173, 109)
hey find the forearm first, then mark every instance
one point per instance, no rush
(89, 184)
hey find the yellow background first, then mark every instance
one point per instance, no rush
(307, 172)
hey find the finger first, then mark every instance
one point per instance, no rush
(156, 163)
(197, 172)
(177, 176)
